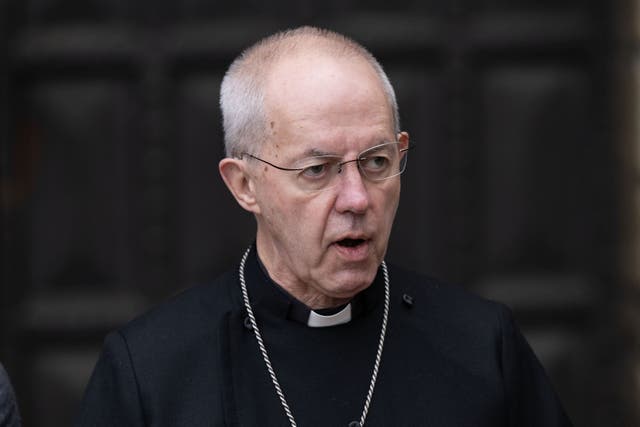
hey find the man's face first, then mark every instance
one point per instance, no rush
(325, 246)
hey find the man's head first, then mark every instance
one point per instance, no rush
(322, 233)
(243, 88)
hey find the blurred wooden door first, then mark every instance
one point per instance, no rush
(111, 199)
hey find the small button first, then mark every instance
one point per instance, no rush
(407, 300)
(247, 323)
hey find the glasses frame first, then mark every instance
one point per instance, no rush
(342, 163)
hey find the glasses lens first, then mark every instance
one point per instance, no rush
(383, 161)
(376, 164)
(317, 173)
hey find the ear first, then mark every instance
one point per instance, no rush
(239, 182)
(403, 139)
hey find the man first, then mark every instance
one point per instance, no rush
(313, 328)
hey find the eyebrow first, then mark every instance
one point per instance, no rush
(312, 152)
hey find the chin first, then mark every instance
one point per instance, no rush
(352, 283)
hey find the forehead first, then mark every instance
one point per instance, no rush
(326, 100)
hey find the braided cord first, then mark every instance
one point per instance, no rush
(383, 331)
(267, 361)
(263, 349)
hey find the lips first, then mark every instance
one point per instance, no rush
(352, 248)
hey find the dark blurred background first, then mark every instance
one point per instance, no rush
(524, 186)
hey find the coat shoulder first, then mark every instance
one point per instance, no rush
(185, 316)
(434, 302)
(433, 291)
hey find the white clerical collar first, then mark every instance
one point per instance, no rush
(317, 320)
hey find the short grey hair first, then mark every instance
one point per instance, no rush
(242, 91)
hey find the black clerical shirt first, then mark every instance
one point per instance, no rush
(450, 359)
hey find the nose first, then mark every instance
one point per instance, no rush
(353, 195)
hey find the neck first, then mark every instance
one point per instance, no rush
(300, 290)
(322, 303)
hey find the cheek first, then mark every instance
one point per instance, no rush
(388, 201)
(312, 217)
(275, 214)
(388, 208)
(392, 206)
(301, 221)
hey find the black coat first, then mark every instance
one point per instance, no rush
(450, 359)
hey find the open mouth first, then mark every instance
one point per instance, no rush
(350, 243)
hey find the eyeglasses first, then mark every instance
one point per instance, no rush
(318, 173)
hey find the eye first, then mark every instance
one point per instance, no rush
(375, 163)
(315, 171)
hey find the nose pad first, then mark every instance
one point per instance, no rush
(340, 165)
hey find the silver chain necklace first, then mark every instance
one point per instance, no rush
(267, 361)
